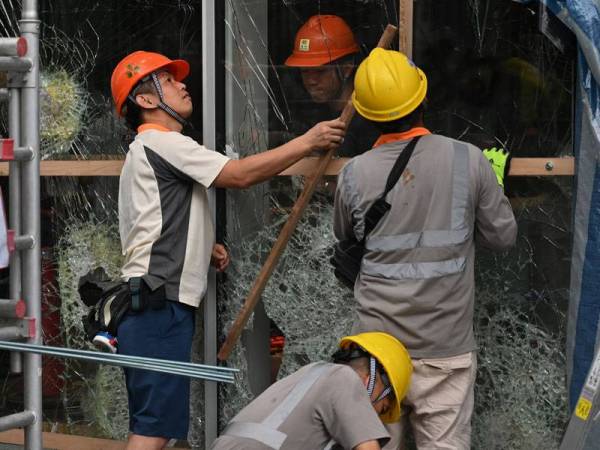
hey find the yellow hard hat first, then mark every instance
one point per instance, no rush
(394, 359)
(388, 86)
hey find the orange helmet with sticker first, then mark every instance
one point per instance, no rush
(322, 40)
(137, 65)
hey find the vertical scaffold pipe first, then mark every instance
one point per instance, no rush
(30, 208)
(14, 213)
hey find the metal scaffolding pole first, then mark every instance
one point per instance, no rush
(30, 209)
(14, 215)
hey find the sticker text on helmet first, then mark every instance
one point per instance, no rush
(304, 45)
(132, 70)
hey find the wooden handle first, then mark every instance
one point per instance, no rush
(286, 232)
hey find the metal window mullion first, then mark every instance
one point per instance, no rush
(209, 140)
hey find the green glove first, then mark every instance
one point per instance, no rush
(500, 161)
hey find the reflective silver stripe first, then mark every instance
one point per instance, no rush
(257, 431)
(460, 184)
(432, 238)
(459, 231)
(414, 271)
(330, 445)
(266, 431)
(284, 409)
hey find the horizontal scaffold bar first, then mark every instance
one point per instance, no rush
(13, 46)
(17, 420)
(12, 309)
(204, 372)
(14, 64)
(15, 329)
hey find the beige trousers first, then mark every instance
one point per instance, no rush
(438, 405)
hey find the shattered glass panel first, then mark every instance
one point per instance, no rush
(80, 44)
(494, 78)
(500, 74)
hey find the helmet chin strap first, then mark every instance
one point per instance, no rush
(372, 374)
(161, 104)
(371, 385)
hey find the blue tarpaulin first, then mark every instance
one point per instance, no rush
(583, 337)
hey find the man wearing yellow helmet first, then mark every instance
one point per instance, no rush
(325, 54)
(328, 405)
(167, 235)
(416, 277)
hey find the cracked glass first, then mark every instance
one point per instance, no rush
(500, 74)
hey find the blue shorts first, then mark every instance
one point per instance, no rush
(158, 402)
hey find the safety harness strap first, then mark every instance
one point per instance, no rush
(266, 431)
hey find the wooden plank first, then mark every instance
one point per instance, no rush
(60, 441)
(75, 168)
(527, 167)
(520, 167)
(405, 27)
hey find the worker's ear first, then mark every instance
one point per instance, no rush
(146, 101)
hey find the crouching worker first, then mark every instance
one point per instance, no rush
(167, 234)
(328, 405)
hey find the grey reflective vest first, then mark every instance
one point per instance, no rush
(417, 275)
(458, 232)
(267, 432)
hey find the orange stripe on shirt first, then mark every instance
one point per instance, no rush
(393, 137)
(151, 126)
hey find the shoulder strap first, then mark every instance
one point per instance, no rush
(400, 165)
(380, 206)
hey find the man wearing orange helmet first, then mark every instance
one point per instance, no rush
(328, 405)
(167, 235)
(325, 53)
(416, 204)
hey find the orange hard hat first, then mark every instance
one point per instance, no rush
(321, 40)
(138, 65)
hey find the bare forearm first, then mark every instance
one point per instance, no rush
(369, 445)
(262, 166)
(257, 168)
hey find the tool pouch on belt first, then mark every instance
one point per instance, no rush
(109, 301)
(348, 254)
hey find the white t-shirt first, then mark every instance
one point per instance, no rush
(167, 234)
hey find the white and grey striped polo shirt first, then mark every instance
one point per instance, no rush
(166, 230)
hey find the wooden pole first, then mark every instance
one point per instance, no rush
(405, 24)
(286, 232)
